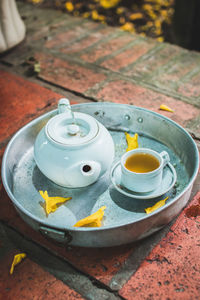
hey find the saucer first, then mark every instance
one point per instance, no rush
(168, 181)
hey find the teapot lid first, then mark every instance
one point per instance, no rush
(72, 131)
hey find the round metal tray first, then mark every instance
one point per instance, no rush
(125, 219)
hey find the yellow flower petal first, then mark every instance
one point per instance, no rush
(156, 206)
(147, 7)
(86, 15)
(165, 107)
(36, 67)
(143, 34)
(128, 26)
(93, 220)
(136, 16)
(120, 10)
(163, 13)
(96, 16)
(69, 6)
(52, 203)
(37, 1)
(108, 3)
(122, 20)
(132, 142)
(17, 259)
(160, 39)
(158, 23)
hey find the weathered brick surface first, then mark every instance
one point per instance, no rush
(84, 43)
(67, 37)
(128, 93)
(62, 38)
(191, 88)
(87, 41)
(170, 70)
(69, 75)
(150, 63)
(171, 75)
(172, 270)
(21, 102)
(30, 281)
(128, 56)
(194, 126)
(107, 48)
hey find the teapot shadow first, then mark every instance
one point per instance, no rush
(83, 199)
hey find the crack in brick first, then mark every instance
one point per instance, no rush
(159, 260)
(50, 102)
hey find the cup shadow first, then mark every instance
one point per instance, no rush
(131, 204)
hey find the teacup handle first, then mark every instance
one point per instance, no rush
(165, 157)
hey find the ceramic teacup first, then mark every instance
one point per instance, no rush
(142, 169)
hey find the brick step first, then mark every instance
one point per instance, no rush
(29, 280)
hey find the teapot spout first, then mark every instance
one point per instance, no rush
(90, 171)
(83, 174)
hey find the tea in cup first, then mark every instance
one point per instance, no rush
(142, 169)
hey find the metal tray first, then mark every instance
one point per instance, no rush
(125, 219)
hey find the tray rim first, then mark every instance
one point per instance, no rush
(106, 227)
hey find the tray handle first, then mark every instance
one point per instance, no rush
(58, 235)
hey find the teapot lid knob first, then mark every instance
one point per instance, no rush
(73, 129)
(63, 105)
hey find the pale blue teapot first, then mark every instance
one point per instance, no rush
(73, 149)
